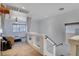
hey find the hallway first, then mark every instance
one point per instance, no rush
(21, 49)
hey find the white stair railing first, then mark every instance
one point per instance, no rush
(50, 46)
(43, 44)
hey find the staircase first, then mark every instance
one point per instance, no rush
(43, 43)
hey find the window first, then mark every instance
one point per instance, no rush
(19, 27)
(72, 29)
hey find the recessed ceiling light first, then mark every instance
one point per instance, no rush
(61, 9)
(23, 7)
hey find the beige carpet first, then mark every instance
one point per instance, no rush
(21, 49)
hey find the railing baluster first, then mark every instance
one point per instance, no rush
(53, 44)
(47, 45)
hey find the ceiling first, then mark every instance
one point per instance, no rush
(42, 10)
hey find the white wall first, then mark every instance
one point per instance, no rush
(35, 26)
(69, 17)
(58, 28)
(54, 28)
